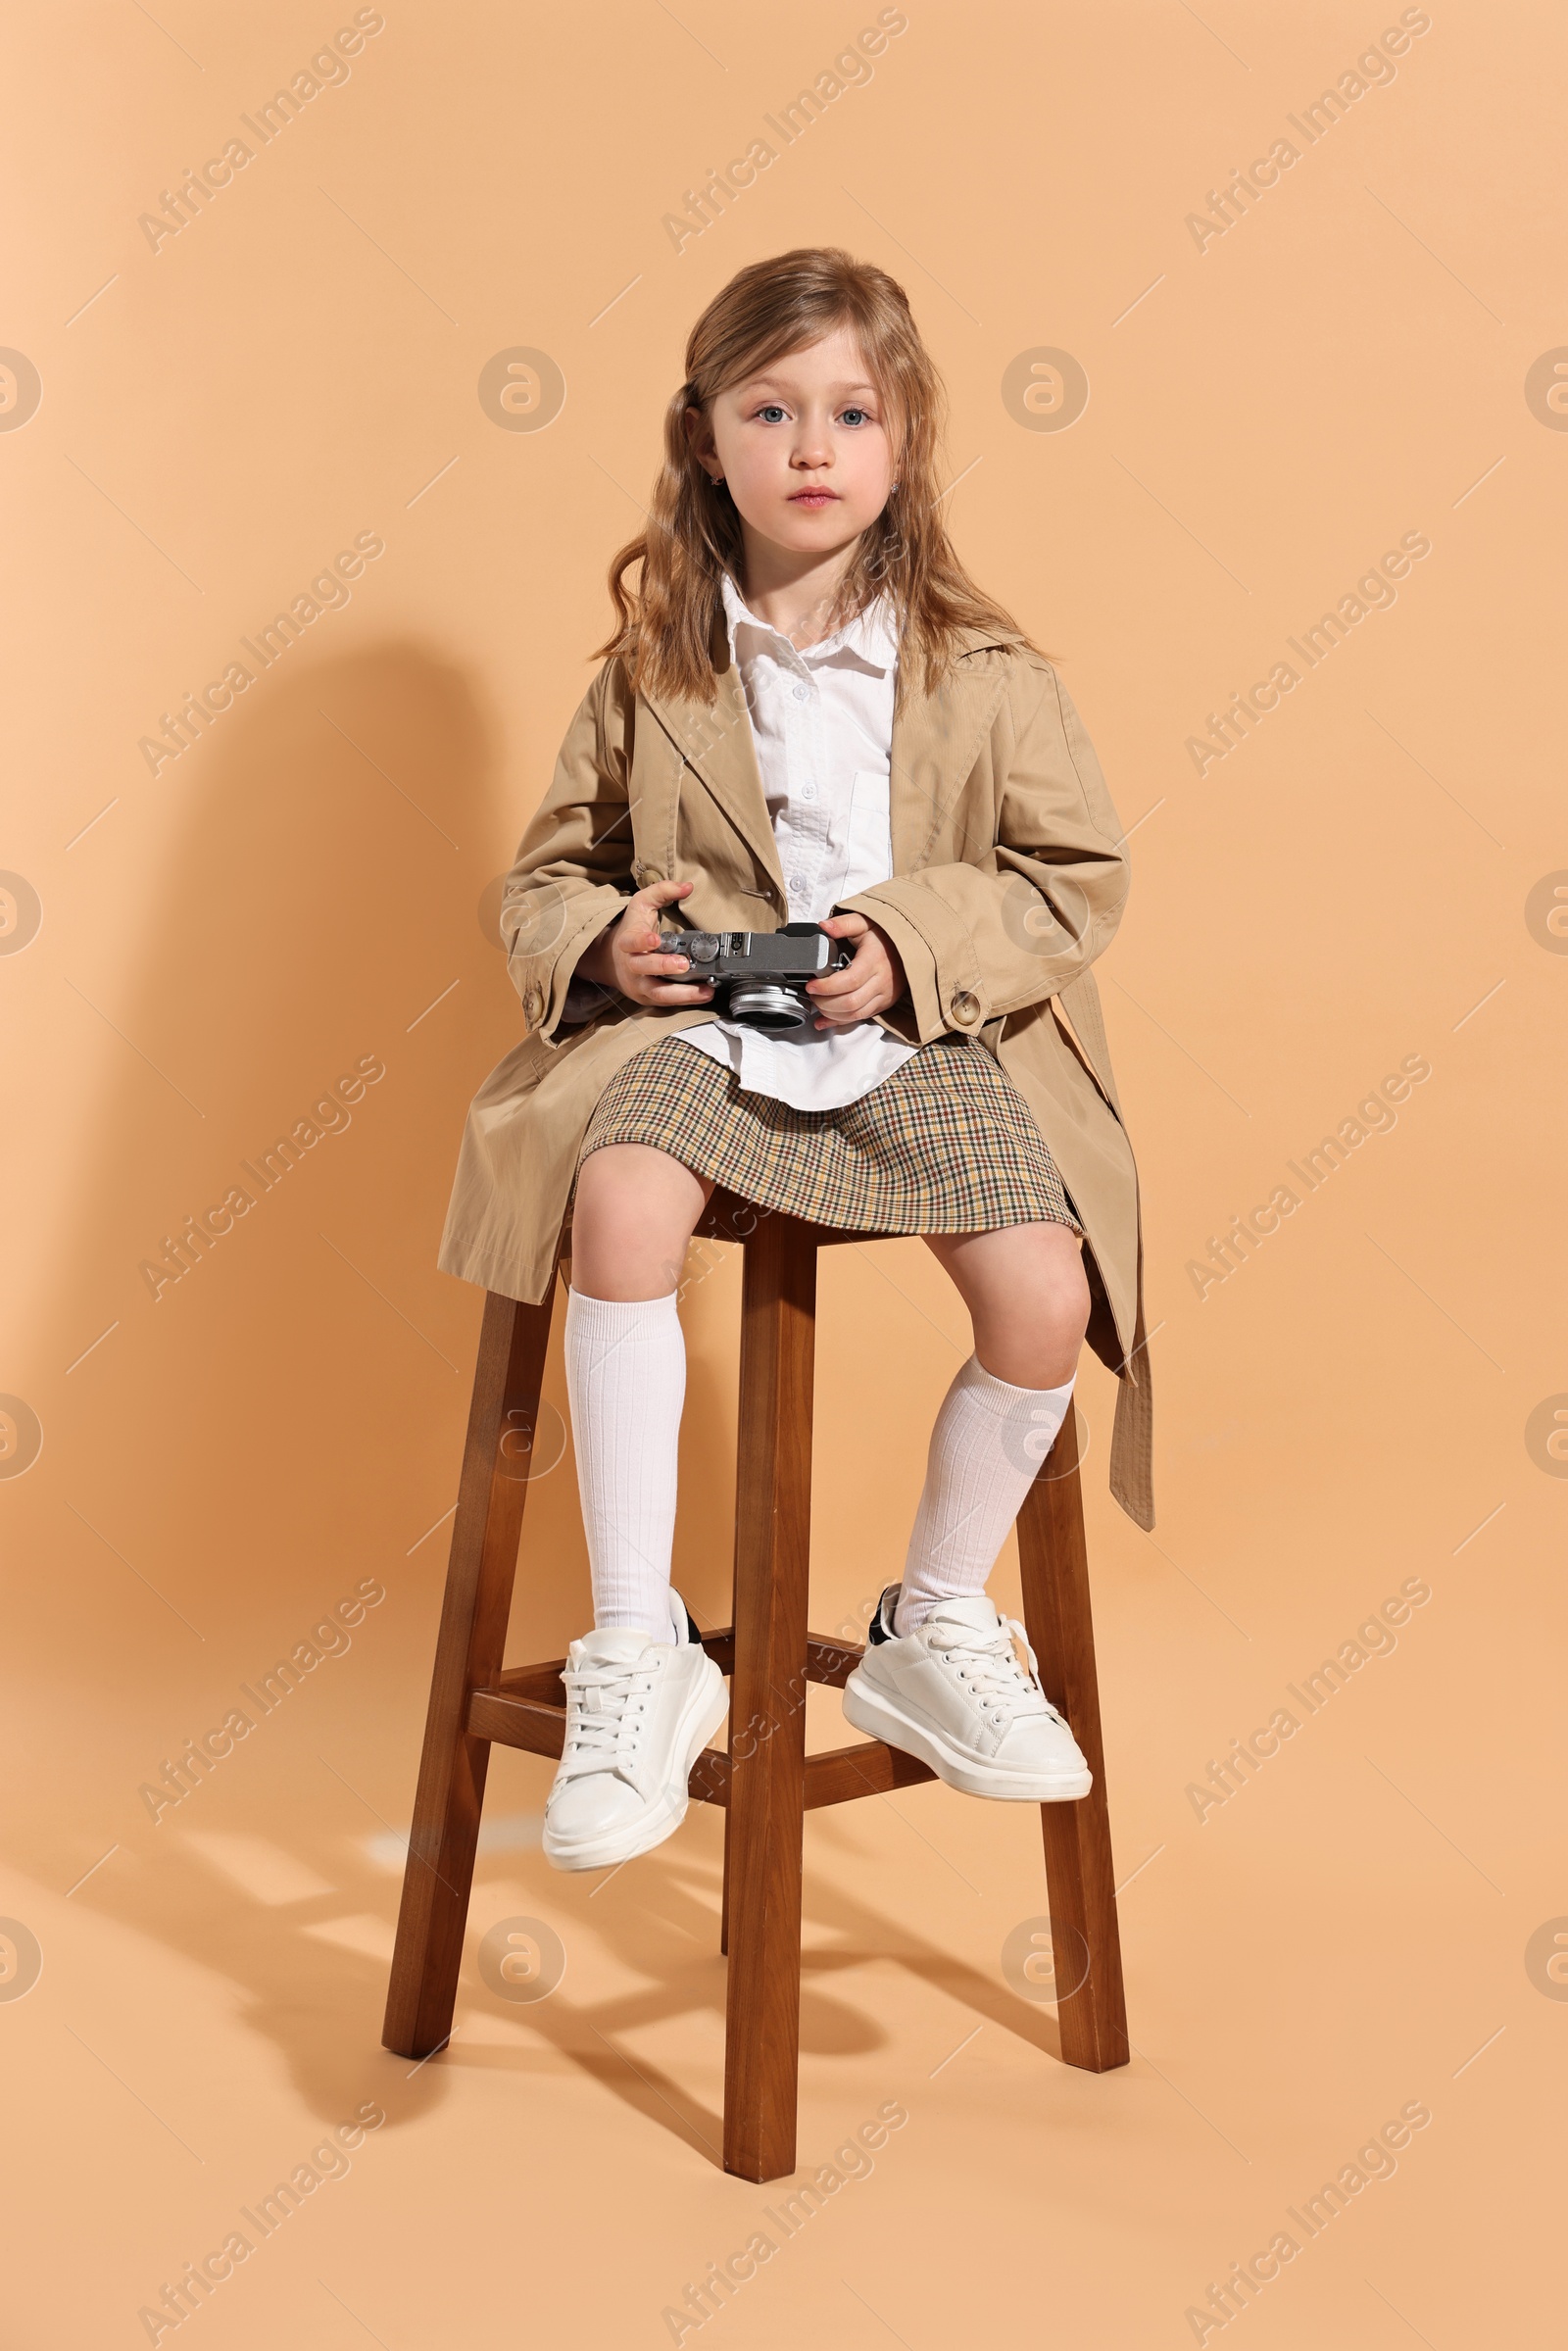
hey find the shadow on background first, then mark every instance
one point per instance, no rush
(284, 1422)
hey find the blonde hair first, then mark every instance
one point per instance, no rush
(665, 627)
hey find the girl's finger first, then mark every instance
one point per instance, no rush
(853, 1008)
(833, 983)
(859, 974)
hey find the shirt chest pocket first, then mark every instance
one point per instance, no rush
(868, 847)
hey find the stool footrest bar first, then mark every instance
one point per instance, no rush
(836, 1776)
(830, 1662)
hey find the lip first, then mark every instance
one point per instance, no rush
(812, 497)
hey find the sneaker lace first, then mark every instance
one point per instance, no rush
(989, 1664)
(606, 1705)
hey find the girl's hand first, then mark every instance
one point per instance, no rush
(873, 980)
(632, 957)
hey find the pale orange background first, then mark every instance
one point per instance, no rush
(1346, 365)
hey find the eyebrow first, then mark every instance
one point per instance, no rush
(759, 384)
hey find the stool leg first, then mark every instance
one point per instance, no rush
(469, 1648)
(723, 1911)
(1079, 1877)
(767, 1706)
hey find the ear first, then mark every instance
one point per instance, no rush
(700, 441)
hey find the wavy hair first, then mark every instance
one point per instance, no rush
(666, 625)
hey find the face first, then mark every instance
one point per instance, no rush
(804, 447)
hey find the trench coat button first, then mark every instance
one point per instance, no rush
(533, 1004)
(643, 874)
(965, 1006)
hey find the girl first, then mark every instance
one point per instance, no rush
(808, 713)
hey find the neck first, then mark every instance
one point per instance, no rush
(795, 595)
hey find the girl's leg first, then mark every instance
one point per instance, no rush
(634, 1212)
(1028, 1302)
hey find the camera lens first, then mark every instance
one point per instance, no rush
(764, 1005)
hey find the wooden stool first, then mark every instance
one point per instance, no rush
(765, 1782)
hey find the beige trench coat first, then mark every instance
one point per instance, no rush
(1009, 873)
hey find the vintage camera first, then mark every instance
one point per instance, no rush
(760, 976)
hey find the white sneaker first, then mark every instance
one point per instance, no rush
(954, 1694)
(639, 1712)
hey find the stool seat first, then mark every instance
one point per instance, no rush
(763, 1779)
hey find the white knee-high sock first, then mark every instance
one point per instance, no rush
(989, 1439)
(626, 1382)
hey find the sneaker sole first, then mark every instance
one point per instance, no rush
(704, 1715)
(871, 1711)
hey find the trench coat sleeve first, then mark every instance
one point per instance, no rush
(1028, 916)
(566, 882)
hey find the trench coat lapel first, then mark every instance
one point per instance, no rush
(716, 742)
(935, 738)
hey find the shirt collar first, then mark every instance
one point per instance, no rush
(871, 636)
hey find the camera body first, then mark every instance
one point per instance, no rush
(760, 976)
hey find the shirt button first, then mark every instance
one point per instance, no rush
(803, 693)
(965, 1006)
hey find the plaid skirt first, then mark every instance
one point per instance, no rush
(945, 1145)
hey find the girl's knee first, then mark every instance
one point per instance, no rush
(633, 1213)
(1030, 1351)
(1029, 1302)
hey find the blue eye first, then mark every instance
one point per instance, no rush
(772, 406)
(858, 411)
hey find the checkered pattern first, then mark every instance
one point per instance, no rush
(945, 1145)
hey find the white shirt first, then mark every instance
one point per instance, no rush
(822, 724)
